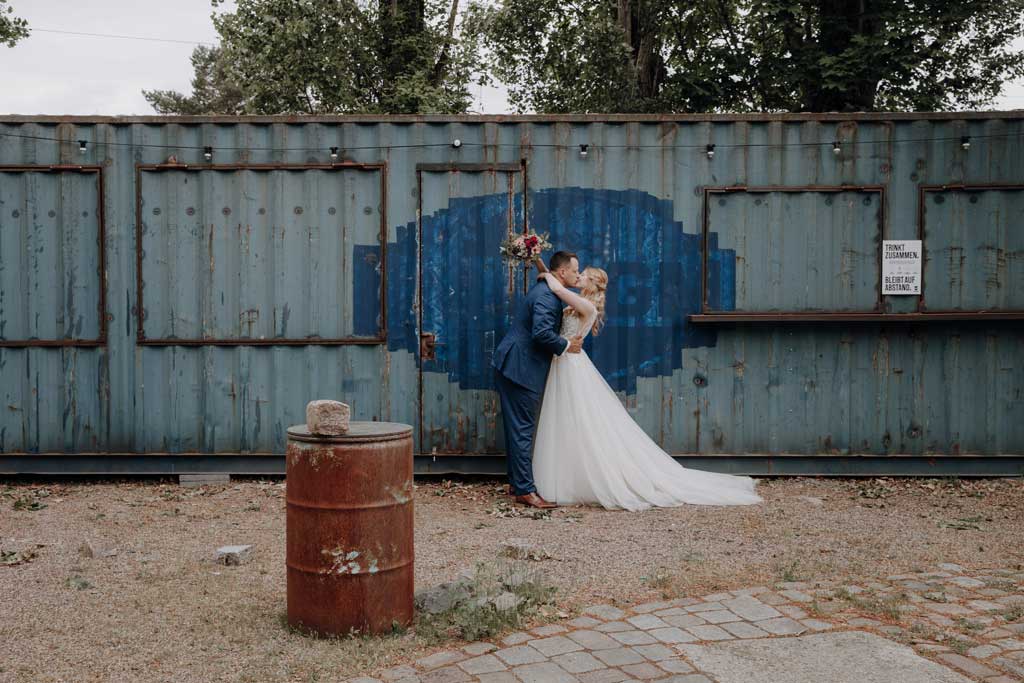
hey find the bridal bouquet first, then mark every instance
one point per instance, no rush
(522, 249)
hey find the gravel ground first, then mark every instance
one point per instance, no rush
(161, 610)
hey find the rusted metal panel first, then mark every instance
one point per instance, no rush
(762, 383)
(268, 254)
(51, 256)
(349, 529)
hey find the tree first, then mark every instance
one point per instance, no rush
(752, 55)
(213, 91)
(331, 56)
(12, 29)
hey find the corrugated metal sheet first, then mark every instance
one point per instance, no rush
(266, 285)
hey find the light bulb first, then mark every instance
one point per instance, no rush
(711, 151)
(583, 151)
(965, 142)
(82, 146)
(334, 153)
(836, 149)
(208, 153)
(456, 143)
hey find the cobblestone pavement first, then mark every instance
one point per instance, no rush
(972, 623)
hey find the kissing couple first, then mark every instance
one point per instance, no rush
(568, 439)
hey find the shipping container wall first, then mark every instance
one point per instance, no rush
(154, 301)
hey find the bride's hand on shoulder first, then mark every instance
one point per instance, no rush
(553, 282)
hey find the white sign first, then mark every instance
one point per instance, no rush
(901, 267)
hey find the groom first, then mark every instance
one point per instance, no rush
(521, 363)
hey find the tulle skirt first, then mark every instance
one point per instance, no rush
(589, 450)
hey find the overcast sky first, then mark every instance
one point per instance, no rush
(54, 73)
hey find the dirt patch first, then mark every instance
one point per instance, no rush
(160, 609)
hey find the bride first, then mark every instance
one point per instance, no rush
(588, 448)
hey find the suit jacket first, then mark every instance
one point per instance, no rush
(524, 354)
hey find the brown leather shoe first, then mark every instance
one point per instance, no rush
(535, 501)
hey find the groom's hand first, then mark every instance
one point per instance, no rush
(575, 345)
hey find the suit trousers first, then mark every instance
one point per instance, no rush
(520, 408)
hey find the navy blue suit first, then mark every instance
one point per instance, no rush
(521, 363)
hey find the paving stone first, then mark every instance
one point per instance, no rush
(517, 638)
(705, 607)
(684, 620)
(718, 597)
(984, 605)
(847, 657)
(1011, 600)
(613, 626)
(983, 651)
(1002, 679)
(781, 626)
(930, 647)
(968, 666)
(397, 673)
(555, 645)
(793, 611)
(709, 632)
(584, 622)
(619, 656)
(675, 666)
(544, 672)
(1016, 628)
(647, 621)
(672, 635)
(686, 678)
(633, 637)
(719, 616)
(670, 612)
(520, 654)
(474, 649)
(363, 679)
(817, 624)
(500, 677)
(967, 582)
(864, 622)
(603, 676)
(578, 662)
(592, 640)
(449, 674)
(794, 585)
(643, 671)
(439, 659)
(743, 629)
(994, 633)
(771, 598)
(756, 590)
(1010, 665)
(1009, 643)
(606, 612)
(686, 602)
(651, 607)
(948, 608)
(796, 596)
(751, 608)
(549, 630)
(656, 652)
(482, 665)
(950, 567)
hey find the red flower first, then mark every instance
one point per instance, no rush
(531, 242)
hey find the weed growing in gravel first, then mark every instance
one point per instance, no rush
(661, 579)
(498, 597)
(965, 625)
(887, 606)
(958, 645)
(1015, 613)
(789, 572)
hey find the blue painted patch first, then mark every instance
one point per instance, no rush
(654, 271)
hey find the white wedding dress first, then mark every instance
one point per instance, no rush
(589, 449)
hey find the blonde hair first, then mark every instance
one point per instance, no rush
(597, 283)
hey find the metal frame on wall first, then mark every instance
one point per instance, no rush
(101, 339)
(923, 190)
(382, 333)
(451, 168)
(708, 315)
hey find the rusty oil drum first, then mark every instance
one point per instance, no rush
(350, 529)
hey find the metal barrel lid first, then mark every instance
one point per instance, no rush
(358, 432)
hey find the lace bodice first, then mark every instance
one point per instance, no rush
(573, 325)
